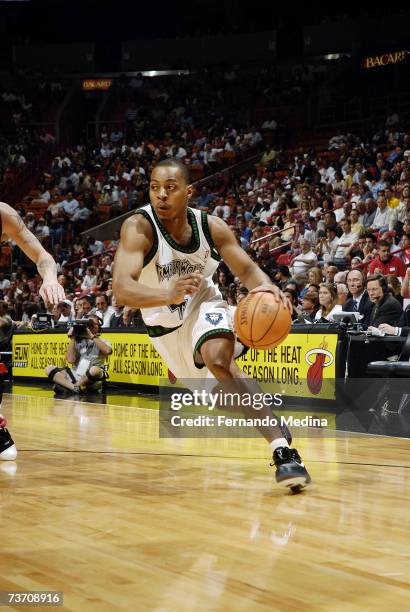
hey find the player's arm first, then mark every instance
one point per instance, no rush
(51, 291)
(135, 243)
(239, 262)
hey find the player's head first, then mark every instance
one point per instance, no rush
(170, 189)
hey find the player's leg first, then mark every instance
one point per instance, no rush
(60, 377)
(8, 450)
(217, 355)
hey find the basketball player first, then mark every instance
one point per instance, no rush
(51, 291)
(167, 256)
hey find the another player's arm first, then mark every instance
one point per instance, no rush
(51, 291)
(239, 262)
(135, 243)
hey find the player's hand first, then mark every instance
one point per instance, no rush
(280, 297)
(3, 422)
(52, 292)
(186, 285)
(387, 329)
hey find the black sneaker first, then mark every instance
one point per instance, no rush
(290, 469)
(8, 450)
(61, 391)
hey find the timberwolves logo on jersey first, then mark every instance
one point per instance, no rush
(214, 318)
(178, 267)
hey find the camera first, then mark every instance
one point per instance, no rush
(43, 320)
(80, 327)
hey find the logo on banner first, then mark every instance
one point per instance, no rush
(20, 357)
(318, 359)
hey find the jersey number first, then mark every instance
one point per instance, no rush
(180, 308)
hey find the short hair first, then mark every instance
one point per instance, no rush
(383, 243)
(88, 298)
(175, 163)
(102, 295)
(378, 277)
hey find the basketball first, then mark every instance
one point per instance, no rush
(261, 321)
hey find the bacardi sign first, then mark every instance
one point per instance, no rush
(384, 59)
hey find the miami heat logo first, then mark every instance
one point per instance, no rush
(318, 359)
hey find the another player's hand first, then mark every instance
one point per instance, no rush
(280, 297)
(52, 292)
(186, 285)
(387, 329)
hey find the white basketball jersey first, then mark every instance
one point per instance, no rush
(169, 260)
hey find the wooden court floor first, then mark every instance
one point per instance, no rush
(99, 507)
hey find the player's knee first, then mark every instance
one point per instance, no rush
(94, 373)
(219, 366)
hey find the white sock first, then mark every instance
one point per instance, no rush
(278, 443)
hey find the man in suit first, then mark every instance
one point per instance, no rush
(382, 308)
(359, 296)
(403, 326)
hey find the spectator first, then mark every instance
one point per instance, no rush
(385, 263)
(116, 317)
(358, 295)
(328, 302)
(90, 279)
(383, 215)
(103, 310)
(347, 239)
(307, 258)
(310, 306)
(382, 307)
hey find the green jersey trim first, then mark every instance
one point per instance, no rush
(205, 226)
(195, 241)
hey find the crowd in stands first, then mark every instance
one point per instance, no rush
(26, 102)
(305, 216)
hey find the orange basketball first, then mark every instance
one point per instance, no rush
(261, 322)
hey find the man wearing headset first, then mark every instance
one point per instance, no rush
(359, 296)
(382, 307)
(87, 353)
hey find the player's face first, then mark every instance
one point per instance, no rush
(169, 192)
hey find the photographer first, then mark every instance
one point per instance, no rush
(87, 353)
